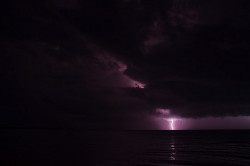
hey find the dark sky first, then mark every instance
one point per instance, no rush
(127, 64)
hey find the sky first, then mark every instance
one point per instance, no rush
(127, 64)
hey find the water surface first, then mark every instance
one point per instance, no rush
(115, 148)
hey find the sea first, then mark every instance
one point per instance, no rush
(46, 147)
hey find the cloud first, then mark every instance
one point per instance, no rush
(89, 68)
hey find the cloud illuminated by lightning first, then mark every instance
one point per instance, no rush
(163, 111)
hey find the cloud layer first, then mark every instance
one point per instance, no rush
(116, 64)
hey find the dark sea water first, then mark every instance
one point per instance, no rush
(118, 148)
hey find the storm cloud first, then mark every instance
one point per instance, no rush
(115, 64)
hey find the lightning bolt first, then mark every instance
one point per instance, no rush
(172, 123)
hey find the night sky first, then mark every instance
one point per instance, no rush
(125, 64)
